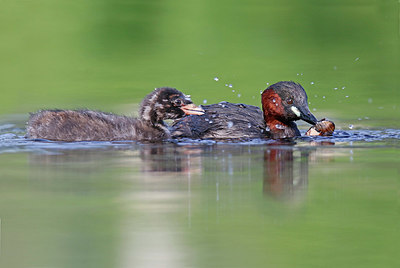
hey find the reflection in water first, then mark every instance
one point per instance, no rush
(155, 186)
(167, 158)
(285, 172)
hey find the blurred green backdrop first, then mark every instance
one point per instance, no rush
(104, 54)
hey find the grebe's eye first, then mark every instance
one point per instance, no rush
(290, 101)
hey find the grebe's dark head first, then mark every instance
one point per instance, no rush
(167, 103)
(286, 101)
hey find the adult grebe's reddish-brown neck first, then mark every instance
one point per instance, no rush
(273, 110)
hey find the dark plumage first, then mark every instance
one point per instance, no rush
(282, 103)
(86, 125)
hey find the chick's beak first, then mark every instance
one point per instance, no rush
(192, 109)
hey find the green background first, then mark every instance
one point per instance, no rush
(107, 55)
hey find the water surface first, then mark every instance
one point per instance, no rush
(317, 202)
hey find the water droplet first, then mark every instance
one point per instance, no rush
(343, 87)
(335, 88)
(226, 85)
(267, 129)
(267, 84)
(357, 59)
(309, 102)
(273, 100)
(312, 83)
(314, 109)
(359, 119)
(261, 91)
(366, 117)
(347, 96)
(233, 90)
(210, 121)
(206, 119)
(216, 79)
(351, 126)
(248, 125)
(204, 101)
(276, 104)
(230, 124)
(301, 74)
(239, 95)
(298, 74)
(315, 96)
(230, 85)
(370, 100)
(279, 126)
(323, 97)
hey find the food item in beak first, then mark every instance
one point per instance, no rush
(322, 128)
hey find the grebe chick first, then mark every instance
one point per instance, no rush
(282, 104)
(85, 125)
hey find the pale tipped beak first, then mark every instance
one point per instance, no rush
(192, 109)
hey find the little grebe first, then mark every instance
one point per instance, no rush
(86, 125)
(282, 104)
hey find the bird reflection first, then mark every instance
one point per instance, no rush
(282, 166)
(285, 171)
(169, 158)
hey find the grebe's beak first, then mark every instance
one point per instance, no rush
(307, 116)
(192, 109)
(304, 114)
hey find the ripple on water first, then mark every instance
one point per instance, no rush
(11, 141)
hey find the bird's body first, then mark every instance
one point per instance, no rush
(218, 123)
(282, 104)
(87, 125)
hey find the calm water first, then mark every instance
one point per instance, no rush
(325, 202)
(320, 202)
